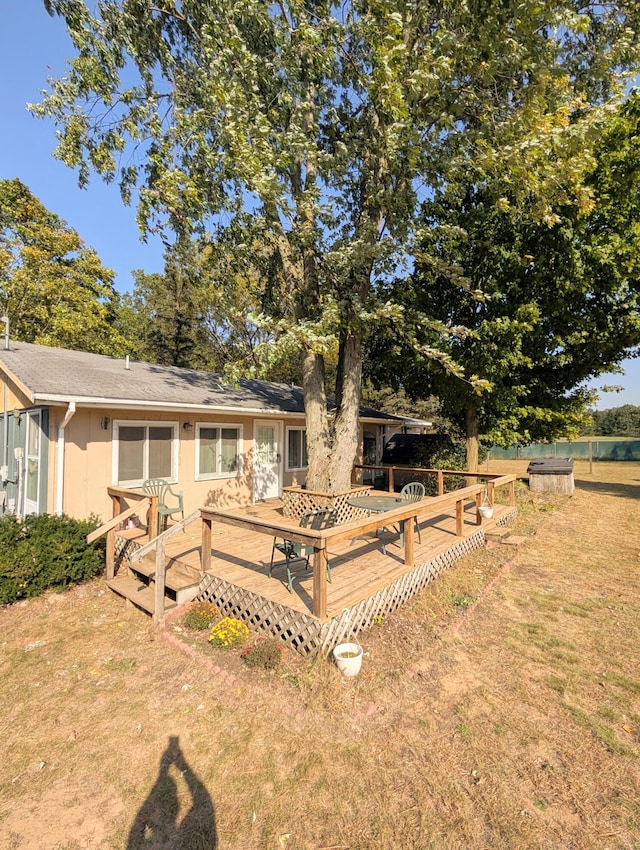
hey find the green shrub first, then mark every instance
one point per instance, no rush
(264, 652)
(201, 615)
(443, 454)
(43, 551)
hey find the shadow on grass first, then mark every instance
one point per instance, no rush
(625, 491)
(156, 825)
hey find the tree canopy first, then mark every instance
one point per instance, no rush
(545, 305)
(53, 288)
(623, 421)
(321, 127)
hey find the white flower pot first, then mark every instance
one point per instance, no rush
(348, 658)
(486, 511)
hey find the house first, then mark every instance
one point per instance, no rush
(74, 423)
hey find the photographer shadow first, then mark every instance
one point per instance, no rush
(156, 825)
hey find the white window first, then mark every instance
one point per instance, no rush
(218, 451)
(297, 448)
(145, 450)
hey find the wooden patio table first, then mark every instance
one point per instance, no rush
(379, 504)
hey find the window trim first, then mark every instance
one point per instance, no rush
(216, 476)
(288, 429)
(145, 423)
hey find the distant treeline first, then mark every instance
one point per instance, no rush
(616, 422)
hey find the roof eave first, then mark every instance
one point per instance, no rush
(95, 402)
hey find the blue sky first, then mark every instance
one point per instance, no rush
(34, 47)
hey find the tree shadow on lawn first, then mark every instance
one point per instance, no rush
(625, 491)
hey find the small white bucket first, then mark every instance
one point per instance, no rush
(348, 658)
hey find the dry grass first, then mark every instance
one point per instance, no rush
(501, 709)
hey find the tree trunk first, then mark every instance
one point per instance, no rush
(318, 432)
(473, 431)
(346, 425)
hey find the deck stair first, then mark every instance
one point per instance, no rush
(137, 584)
(496, 534)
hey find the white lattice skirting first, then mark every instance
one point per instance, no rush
(310, 636)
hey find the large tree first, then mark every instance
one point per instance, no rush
(322, 125)
(545, 305)
(53, 288)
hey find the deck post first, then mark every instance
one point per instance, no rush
(460, 517)
(205, 555)
(478, 503)
(152, 521)
(391, 482)
(512, 492)
(159, 579)
(320, 580)
(491, 491)
(409, 538)
(440, 483)
(110, 555)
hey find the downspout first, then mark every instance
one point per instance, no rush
(60, 471)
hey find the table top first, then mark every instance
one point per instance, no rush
(377, 503)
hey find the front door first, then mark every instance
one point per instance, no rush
(267, 465)
(32, 463)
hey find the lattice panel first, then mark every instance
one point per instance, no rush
(298, 502)
(298, 631)
(359, 617)
(307, 635)
(123, 547)
(508, 519)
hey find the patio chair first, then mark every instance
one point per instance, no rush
(162, 489)
(293, 551)
(413, 492)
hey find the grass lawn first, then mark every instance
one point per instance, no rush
(500, 709)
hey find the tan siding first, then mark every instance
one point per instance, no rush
(89, 461)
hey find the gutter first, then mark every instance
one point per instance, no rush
(60, 466)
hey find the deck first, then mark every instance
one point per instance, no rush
(365, 582)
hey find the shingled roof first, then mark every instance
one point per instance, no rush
(53, 376)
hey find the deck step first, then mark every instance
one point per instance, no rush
(496, 534)
(177, 578)
(140, 594)
(514, 540)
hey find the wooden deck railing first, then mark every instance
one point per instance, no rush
(160, 574)
(419, 473)
(119, 496)
(430, 507)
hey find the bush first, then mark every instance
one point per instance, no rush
(264, 652)
(228, 633)
(445, 454)
(201, 615)
(43, 551)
